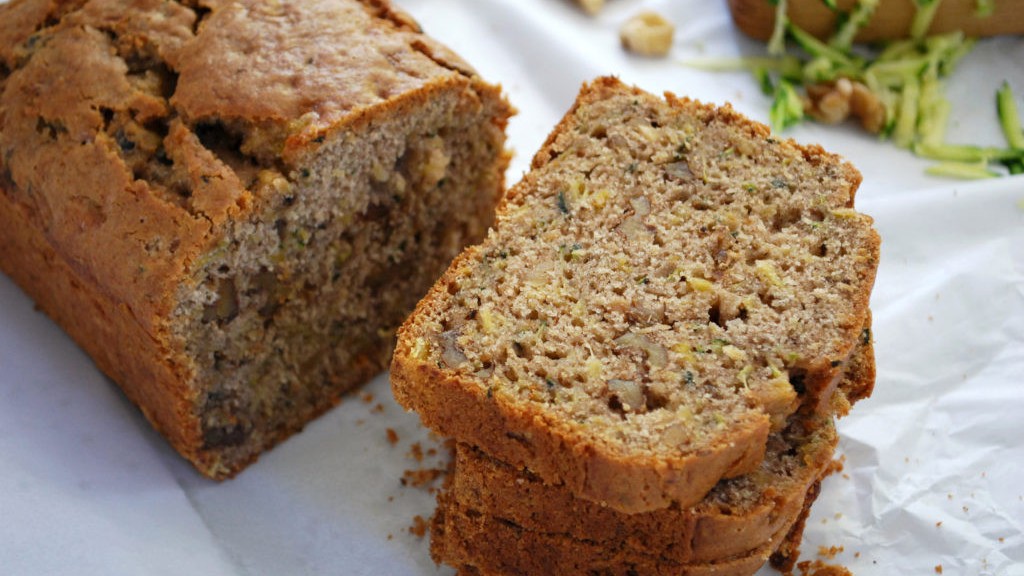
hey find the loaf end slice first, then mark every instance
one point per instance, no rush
(665, 287)
(233, 207)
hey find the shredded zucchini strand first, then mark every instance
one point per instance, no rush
(1009, 117)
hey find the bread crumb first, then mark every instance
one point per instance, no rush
(420, 478)
(829, 552)
(366, 397)
(416, 452)
(856, 554)
(819, 568)
(392, 436)
(836, 466)
(419, 526)
(938, 568)
(378, 409)
(391, 536)
(938, 524)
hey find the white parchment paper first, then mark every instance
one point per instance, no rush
(933, 471)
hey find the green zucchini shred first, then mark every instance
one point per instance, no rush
(1009, 117)
(777, 42)
(962, 170)
(859, 17)
(923, 17)
(787, 108)
(984, 8)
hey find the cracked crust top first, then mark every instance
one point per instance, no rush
(92, 90)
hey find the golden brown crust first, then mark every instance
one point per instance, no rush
(477, 543)
(120, 179)
(94, 321)
(709, 531)
(314, 81)
(786, 555)
(891, 19)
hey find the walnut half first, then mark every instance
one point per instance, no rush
(648, 34)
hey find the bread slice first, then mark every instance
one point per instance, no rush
(488, 546)
(739, 517)
(232, 206)
(665, 287)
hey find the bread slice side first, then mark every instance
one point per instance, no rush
(664, 288)
(738, 516)
(481, 544)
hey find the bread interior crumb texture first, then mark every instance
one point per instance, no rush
(664, 273)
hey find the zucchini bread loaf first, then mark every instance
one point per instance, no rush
(232, 205)
(663, 290)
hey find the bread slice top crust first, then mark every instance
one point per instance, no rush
(665, 287)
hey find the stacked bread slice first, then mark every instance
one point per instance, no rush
(642, 362)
